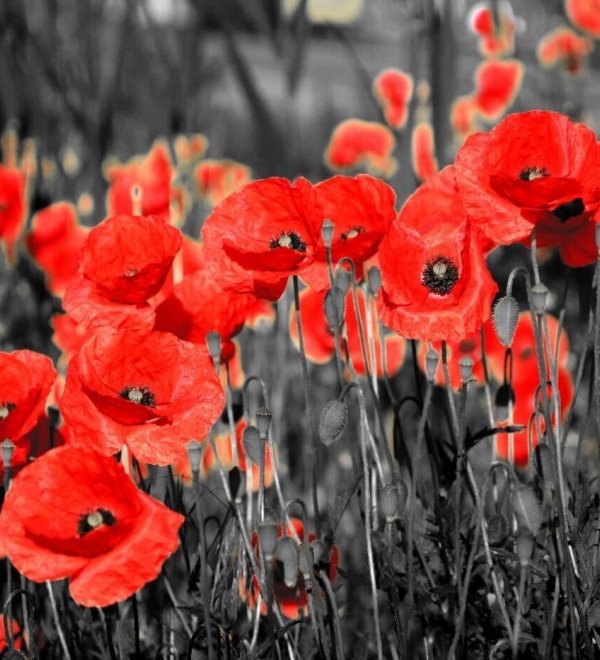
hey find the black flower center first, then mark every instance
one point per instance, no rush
(569, 210)
(5, 409)
(531, 173)
(93, 519)
(139, 394)
(440, 275)
(289, 239)
(352, 233)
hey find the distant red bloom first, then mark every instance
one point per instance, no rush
(565, 48)
(12, 205)
(319, 342)
(469, 346)
(361, 209)
(189, 149)
(497, 82)
(124, 261)
(424, 161)
(152, 174)
(75, 514)
(16, 631)
(496, 36)
(261, 234)
(149, 391)
(393, 90)
(216, 179)
(435, 283)
(585, 15)
(534, 170)
(463, 117)
(358, 144)
(55, 242)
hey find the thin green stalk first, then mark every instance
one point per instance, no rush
(335, 617)
(336, 331)
(516, 629)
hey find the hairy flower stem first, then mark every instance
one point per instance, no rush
(8, 606)
(59, 630)
(389, 532)
(308, 408)
(336, 330)
(516, 628)
(338, 646)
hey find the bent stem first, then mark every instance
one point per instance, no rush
(59, 630)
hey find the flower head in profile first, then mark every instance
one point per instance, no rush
(564, 48)
(76, 514)
(261, 234)
(435, 282)
(147, 390)
(393, 90)
(124, 262)
(534, 170)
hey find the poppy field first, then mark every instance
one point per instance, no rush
(343, 405)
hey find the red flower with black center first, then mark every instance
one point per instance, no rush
(124, 261)
(76, 514)
(262, 234)
(534, 170)
(357, 144)
(361, 209)
(424, 162)
(393, 90)
(217, 179)
(55, 242)
(149, 391)
(565, 48)
(12, 205)
(435, 283)
(584, 14)
(497, 83)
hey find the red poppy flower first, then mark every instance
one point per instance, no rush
(469, 346)
(535, 169)
(124, 261)
(463, 117)
(497, 83)
(495, 39)
(12, 205)
(152, 174)
(292, 601)
(361, 209)
(393, 90)
(424, 161)
(75, 514)
(150, 391)
(190, 149)
(262, 234)
(564, 47)
(55, 242)
(358, 144)
(16, 631)
(585, 15)
(435, 283)
(216, 179)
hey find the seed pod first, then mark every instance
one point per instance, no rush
(388, 498)
(497, 528)
(342, 280)
(263, 421)
(466, 368)
(287, 553)
(431, 363)
(539, 295)
(253, 444)
(505, 317)
(327, 232)
(8, 448)
(334, 306)
(332, 421)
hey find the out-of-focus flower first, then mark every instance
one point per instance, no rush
(497, 83)
(327, 11)
(496, 32)
(216, 179)
(16, 631)
(13, 206)
(463, 117)
(585, 15)
(393, 90)
(189, 149)
(149, 391)
(565, 48)
(76, 514)
(357, 144)
(424, 161)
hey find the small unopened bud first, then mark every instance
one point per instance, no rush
(505, 316)
(497, 528)
(374, 280)
(388, 498)
(466, 368)
(431, 363)
(327, 232)
(334, 305)
(236, 484)
(305, 560)
(253, 444)
(332, 421)
(267, 533)
(539, 295)
(505, 396)
(8, 448)
(263, 421)
(213, 341)
(525, 545)
(342, 280)
(287, 553)
(318, 548)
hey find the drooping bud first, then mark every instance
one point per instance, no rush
(388, 498)
(236, 484)
(334, 306)
(327, 232)
(8, 448)
(374, 280)
(263, 421)
(505, 317)
(342, 280)
(267, 534)
(431, 363)
(287, 553)
(213, 341)
(466, 368)
(332, 421)
(505, 396)
(539, 295)
(253, 443)
(194, 450)
(525, 545)
(305, 560)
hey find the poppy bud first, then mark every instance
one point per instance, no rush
(267, 533)
(287, 553)
(213, 341)
(388, 497)
(505, 317)
(236, 484)
(342, 280)
(374, 280)
(332, 421)
(539, 294)
(8, 447)
(327, 232)
(497, 529)
(253, 443)
(318, 548)
(504, 397)
(466, 368)
(334, 306)
(525, 545)
(263, 421)
(431, 363)
(305, 560)
(194, 450)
